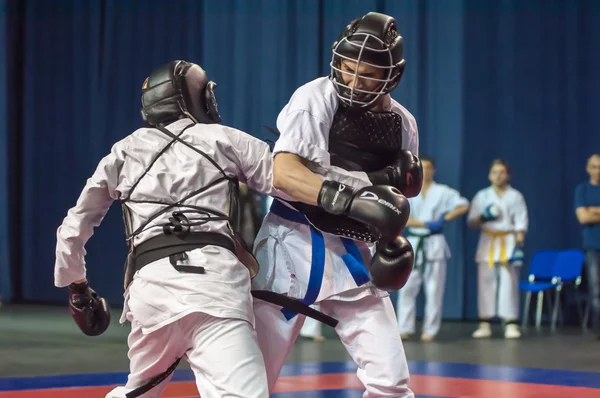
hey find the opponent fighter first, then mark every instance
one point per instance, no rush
(500, 212)
(346, 123)
(429, 212)
(187, 294)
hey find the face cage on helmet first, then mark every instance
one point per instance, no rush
(357, 97)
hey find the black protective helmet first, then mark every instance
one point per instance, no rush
(176, 90)
(371, 40)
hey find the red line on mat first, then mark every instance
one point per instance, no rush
(426, 385)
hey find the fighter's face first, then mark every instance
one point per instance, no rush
(428, 171)
(593, 168)
(364, 79)
(498, 175)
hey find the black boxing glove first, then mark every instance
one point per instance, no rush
(383, 208)
(392, 264)
(405, 173)
(90, 311)
(335, 198)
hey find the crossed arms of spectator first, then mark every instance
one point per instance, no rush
(588, 215)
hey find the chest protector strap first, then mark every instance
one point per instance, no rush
(179, 225)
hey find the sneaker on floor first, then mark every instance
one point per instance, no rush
(512, 331)
(484, 331)
(405, 336)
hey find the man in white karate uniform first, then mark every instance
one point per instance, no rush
(350, 124)
(501, 213)
(187, 293)
(429, 212)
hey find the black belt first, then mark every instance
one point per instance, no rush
(174, 246)
(420, 246)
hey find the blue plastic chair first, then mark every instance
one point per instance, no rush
(567, 270)
(541, 278)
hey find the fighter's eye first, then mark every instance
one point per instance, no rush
(345, 68)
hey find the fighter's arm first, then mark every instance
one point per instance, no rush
(292, 176)
(301, 166)
(307, 190)
(301, 149)
(287, 176)
(78, 225)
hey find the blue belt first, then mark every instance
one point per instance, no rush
(353, 259)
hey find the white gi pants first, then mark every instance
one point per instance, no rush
(433, 278)
(222, 352)
(312, 327)
(367, 328)
(498, 291)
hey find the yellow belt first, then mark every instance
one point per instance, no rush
(497, 235)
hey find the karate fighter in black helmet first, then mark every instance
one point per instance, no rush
(187, 279)
(344, 123)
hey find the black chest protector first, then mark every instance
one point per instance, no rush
(364, 141)
(358, 141)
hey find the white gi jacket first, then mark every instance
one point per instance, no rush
(159, 294)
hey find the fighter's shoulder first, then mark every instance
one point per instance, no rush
(197, 134)
(233, 137)
(408, 120)
(315, 96)
(130, 142)
(321, 87)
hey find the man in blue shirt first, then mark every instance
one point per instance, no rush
(587, 207)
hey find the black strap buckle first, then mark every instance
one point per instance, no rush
(178, 225)
(175, 258)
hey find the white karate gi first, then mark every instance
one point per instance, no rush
(367, 326)
(207, 318)
(430, 262)
(498, 281)
(312, 327)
